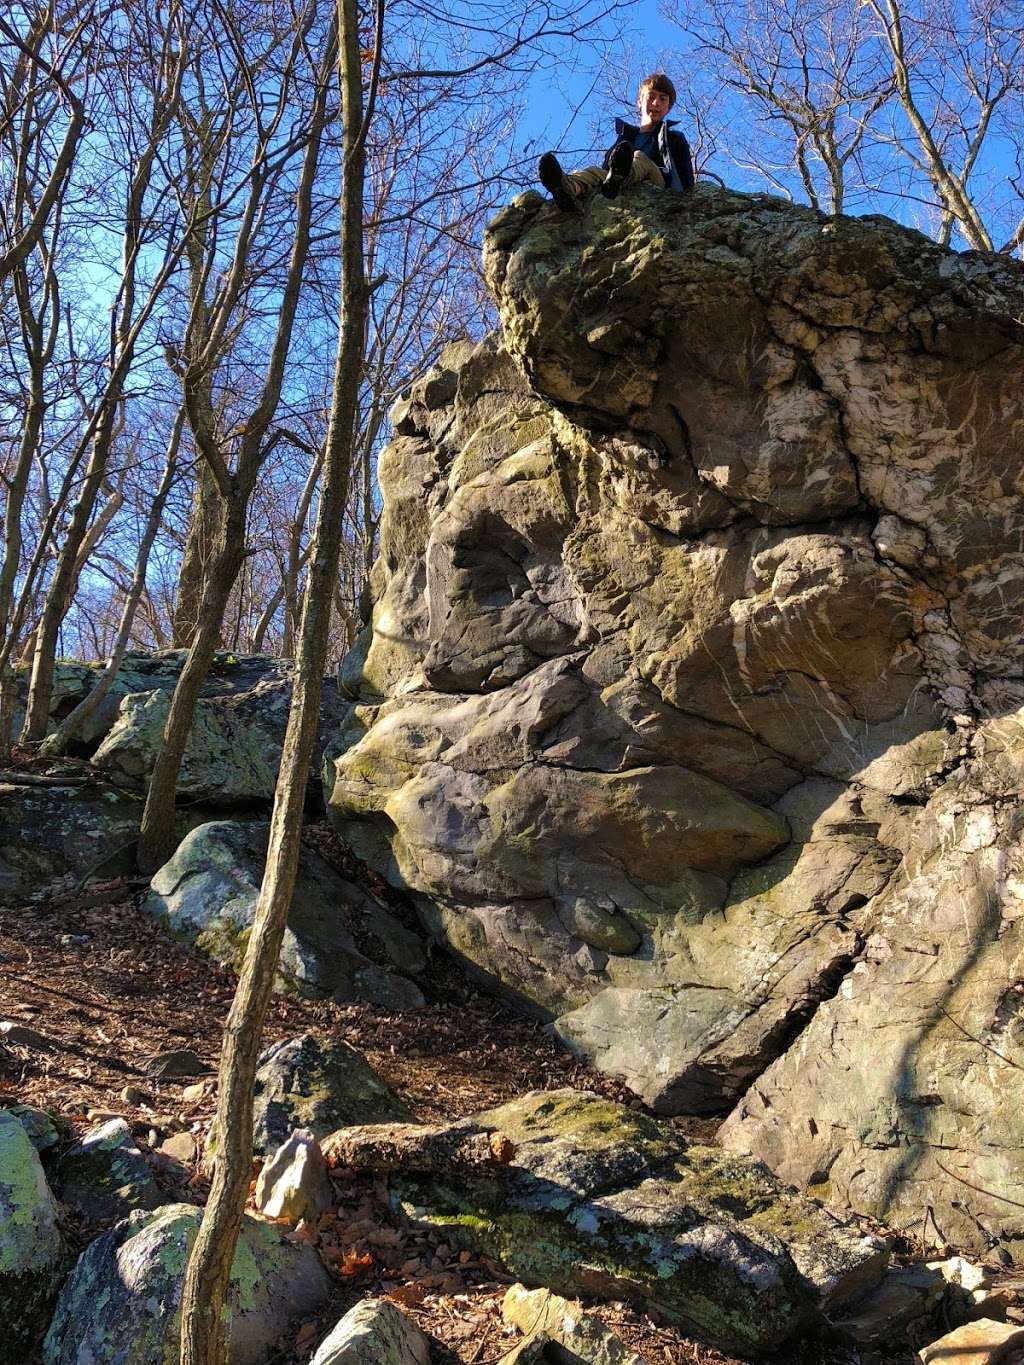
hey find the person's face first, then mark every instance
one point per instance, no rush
(653, 106)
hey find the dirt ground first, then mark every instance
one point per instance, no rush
(108, 990)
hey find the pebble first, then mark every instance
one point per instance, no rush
(131, 1094)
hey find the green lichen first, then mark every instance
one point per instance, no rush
(546, 1248)
(27, 1210)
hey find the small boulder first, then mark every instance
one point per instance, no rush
(539, 1312)
(177, 1062)
(43, 1132)
(104, 1176)
(340, 942)
(31, 1249)
(20, 1035)
(374, 1332)
(294, 1183)
(121, 1304)
(319, 1084)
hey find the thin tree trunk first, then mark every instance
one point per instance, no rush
(199, 541)
(202, 1327)
(156, 835)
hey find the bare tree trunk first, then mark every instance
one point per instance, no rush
(199, 542)
(202, 1326)
(156, 835)
(61, 587)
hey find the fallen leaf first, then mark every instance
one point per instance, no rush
(354, 1262)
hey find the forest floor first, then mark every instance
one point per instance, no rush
(108, 989)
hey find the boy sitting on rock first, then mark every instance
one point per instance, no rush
(653, 153)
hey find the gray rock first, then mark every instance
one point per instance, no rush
(121, 1304)
(908, 1077)
(20, 1035)
(31, 1250)
(234, 745)
(44, 1132)
(319, 1084)
(104, 1176)
(698, 585)
(207, 895)
(374, 1332)
(48, 833)
(179, 1061)
(600, 1200)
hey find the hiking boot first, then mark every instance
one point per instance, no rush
(556, 182)
(620, 163)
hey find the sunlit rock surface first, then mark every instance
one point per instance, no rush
(690, 708)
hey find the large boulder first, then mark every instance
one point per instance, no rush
(234, 746)
(48, 833)
(600, 1200)
(207, 892)
(121, 1304)
(31, 1249)
(698, 600)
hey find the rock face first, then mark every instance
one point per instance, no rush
(122, 1302)
(51, 832)
(690, 707)
(31, 1250)
(600, 1200)
(207, 894)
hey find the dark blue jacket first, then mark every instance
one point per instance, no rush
(674, 152)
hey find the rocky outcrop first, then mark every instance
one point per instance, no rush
(600, 1200)
(691, 697)
(122, 1300)
(234, 745)
(207, 892)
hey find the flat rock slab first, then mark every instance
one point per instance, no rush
(121, 1304)
(603, 1201)
(976, 1343)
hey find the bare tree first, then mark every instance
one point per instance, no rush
(812, 75)
(212, 324)
(956, 70)
(202, 1324)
